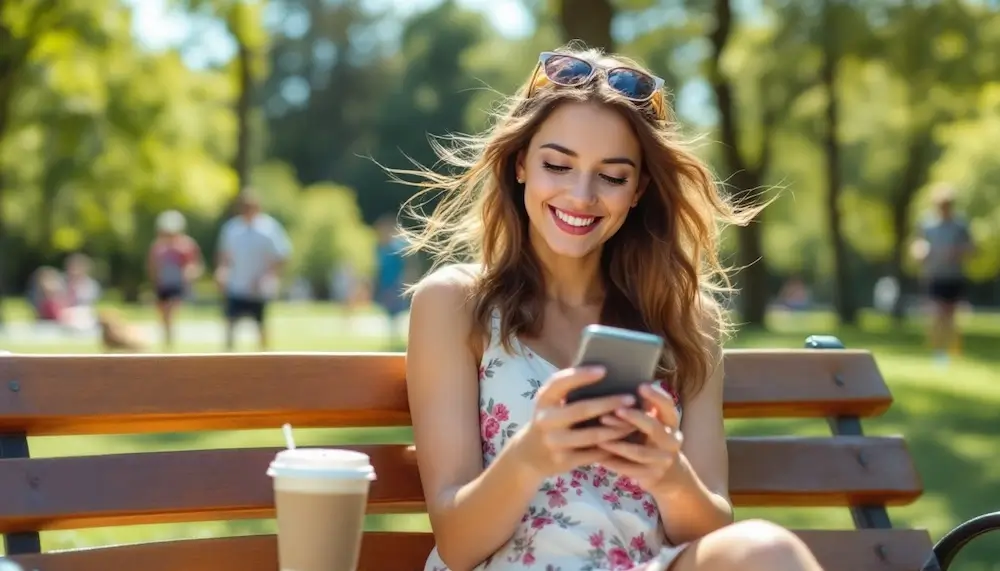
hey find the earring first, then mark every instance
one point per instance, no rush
(520, 180)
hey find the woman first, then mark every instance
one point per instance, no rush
(174, 262)
(579, 206)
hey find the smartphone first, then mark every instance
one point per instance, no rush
(630, 359)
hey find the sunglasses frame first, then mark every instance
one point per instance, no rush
(544, 57)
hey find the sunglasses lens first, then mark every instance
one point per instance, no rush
(567, 70)
(632, 83)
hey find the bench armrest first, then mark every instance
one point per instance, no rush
(824, 342)
(949, 546)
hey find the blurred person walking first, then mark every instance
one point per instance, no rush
(174, 262)
(252, 252)
(942, 246)
(390, 274)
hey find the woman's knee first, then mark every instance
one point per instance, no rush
(758, 545)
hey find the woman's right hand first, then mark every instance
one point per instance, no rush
(548, 444)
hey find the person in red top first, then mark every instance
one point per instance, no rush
(174, 261)
(52, 299)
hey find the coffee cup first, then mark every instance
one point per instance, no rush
(320, 496)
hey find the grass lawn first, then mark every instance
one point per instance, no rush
(949, 417)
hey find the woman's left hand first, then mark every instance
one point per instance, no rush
(653, 462)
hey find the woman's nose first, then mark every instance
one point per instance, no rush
(583, 189)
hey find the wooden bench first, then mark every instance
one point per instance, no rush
(83, 395)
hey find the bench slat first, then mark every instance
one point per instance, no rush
(840, 550)
(75, 492)
(98, 394)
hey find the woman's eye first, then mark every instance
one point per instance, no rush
(614, 180)
(554, 168)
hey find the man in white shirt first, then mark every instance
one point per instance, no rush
(253, 248)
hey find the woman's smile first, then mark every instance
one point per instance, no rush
(574, 223)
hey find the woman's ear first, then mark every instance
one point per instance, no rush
(519, 167)
(640, 189)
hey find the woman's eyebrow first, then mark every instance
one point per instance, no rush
(571, 153)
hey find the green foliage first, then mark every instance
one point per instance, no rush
(102, 134)
(972, 163)
(330, 232)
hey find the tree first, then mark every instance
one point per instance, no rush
(746, 171)
(24, 27)
(589, 21)
(243, 20)
(101, 136)
(971, 162)
(843, 298)
(919, 69)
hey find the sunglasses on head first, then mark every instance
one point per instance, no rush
(571, 71)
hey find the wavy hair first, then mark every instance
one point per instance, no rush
(661, 270)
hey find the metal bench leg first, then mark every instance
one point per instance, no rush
(865, 516)
(16, 446)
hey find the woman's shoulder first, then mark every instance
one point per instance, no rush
(452, 280)
(448, 288)
(443, 305)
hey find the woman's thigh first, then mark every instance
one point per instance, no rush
(752, 545)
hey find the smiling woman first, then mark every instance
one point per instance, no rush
(579, 206)
(584, 165)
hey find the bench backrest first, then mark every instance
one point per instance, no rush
(83, 395)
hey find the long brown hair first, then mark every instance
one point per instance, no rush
(661, 269)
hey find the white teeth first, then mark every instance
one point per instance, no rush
(574, 220)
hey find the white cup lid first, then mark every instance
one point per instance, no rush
(334, 462)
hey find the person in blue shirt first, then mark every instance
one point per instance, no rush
(942, 246)
(252, 251)
(390, 274)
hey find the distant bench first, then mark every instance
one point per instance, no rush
(80, 395)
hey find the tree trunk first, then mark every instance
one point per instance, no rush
(918, 163)
(752, 280)
(843, 295)
(241, 164)
(588, 20)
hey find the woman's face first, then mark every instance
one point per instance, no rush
(581, 173)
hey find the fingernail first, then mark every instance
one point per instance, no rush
(628, 400)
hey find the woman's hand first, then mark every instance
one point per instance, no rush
(654, 462)
(549, 445)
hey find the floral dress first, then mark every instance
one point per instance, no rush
(589, 519)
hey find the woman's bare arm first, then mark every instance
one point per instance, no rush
(473, 512)
(699, 503)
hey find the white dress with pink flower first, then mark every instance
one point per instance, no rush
(590, 519)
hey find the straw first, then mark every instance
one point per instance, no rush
(289, 439)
